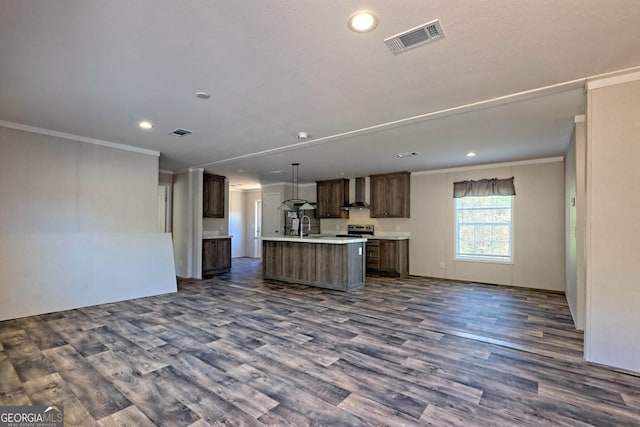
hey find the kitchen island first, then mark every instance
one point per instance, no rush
(323, 261)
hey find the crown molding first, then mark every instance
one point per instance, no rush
(492, 166)
(613, 79)
(78, 138)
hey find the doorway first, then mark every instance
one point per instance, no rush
(164, 208)
(257, 229)
(271, 224)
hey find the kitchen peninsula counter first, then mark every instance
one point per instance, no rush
(323, 261)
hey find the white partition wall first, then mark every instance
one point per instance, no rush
(78, 225)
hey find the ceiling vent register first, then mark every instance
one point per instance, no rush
(423, 34)
(180, 132)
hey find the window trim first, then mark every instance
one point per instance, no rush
(481, 258)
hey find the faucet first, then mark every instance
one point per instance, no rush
(302, 225)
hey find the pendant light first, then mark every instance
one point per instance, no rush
(306, 206)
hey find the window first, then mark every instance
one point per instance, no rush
(484, 228)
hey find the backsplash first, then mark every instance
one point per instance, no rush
(215, 226)
(383, 226)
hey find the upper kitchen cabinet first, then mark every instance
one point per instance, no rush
(390, 195)
(331, 196)
(213, 196)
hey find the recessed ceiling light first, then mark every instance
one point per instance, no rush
(145, 125)
(203, 95)
(362, 21)
(402, 155)
(240, 170)
(303, 135)
(279, 171)
(471, 154)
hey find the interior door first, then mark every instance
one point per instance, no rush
(257, 249)
(271, 214)
(162, 209)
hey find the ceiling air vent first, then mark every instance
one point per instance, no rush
(423, 34)
(180, 132)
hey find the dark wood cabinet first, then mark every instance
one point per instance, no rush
(390, 195)
(388, 256)
(332, 195)
(216, 256)
(213, 196)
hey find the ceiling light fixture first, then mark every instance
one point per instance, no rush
(362, 21)
(303, 135)
(202, 95)
(290, 203)
(145, 124)
(471, 154)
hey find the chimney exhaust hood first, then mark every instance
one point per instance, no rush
(360, 202)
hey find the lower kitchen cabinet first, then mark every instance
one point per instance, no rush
(216, 256)
(385, 256)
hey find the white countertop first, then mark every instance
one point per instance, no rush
(390, 237)
(315, 238)
(216, 236)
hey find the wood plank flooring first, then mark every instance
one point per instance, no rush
(237, 350)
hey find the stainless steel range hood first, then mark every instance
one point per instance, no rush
(359, 202)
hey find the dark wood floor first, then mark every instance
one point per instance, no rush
(235, 350)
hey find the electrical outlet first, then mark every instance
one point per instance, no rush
(442, 265)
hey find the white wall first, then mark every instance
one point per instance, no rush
(78, 225)
(612, 333)
(236, 222)
(250, 203)
(538, 227)
(182, 224)
(571, 289)
(188, 223)
(580, 227)
(575, 181)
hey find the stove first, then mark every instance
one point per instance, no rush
(358, 230)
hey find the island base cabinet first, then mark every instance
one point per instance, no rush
(340, 267)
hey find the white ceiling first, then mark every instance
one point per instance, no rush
(505, 82)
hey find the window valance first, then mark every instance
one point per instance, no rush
(484, 187)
